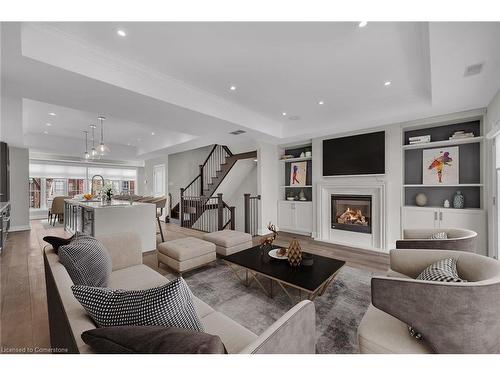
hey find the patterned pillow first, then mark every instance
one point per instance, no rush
(87, 261)
(169, 305)
(442, 270)
(439, 236)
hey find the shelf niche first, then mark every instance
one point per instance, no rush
(469, 166)
(295, 190)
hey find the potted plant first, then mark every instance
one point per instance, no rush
(107, 192)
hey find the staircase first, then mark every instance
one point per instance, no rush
(198, 208)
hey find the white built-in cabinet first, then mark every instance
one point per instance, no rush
(445, 218)
(295, 217)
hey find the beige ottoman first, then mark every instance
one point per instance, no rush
(185, 254)
(229, 241)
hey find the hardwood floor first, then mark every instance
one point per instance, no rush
(23, 318)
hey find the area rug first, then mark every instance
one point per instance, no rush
(338, 311)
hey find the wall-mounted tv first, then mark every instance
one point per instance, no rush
(362, 154)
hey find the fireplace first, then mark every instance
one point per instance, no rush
(352, 213)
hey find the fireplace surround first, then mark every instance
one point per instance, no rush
(351, 213)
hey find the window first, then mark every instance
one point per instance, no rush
(51, 180)
(75, 187)
(35, 192)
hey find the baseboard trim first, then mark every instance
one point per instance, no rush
(19, 228)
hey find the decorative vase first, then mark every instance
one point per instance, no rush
(294, 253)
(308, 154)
(307, 259)
(446, 203)
(421, 199)
(302, 195)
(458, 200)
(302, 155)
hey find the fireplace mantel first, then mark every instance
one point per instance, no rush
(373, 241)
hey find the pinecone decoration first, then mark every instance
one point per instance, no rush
(294, 253)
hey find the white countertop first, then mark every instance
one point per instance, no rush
(99, 205)
(3, 205)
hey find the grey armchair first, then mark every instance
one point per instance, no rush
(458, 239)
(452, 317)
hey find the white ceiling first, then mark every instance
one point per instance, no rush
(173, 78)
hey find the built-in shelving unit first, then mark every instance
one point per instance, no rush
(470, 181)
(295, 215)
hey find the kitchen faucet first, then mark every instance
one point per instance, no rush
(92, 183)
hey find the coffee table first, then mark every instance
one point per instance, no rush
(313, 280)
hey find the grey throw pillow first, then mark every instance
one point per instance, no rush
(152, 340)
(87, 261)
(168, 305)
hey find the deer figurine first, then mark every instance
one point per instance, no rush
(268, 241)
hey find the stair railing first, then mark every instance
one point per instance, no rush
(208, 214)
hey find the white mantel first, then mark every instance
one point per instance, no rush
(377, 240)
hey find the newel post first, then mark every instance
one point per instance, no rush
(220, 212)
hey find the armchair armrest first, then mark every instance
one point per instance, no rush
(124, 249)
(452, 317)
(293, 333)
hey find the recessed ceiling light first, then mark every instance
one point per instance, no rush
(45, 132)
(128, 144)
(387, 83)
(152, 133)
(363, 24)
(283, 113)
(321, 102)
(138, 139)
(48, 124)
(52, 114)
(121, 33)
(232, 88)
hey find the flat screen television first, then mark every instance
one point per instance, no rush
(362, 154)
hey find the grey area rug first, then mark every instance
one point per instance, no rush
(338, 311)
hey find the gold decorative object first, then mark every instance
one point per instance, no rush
(294, 253)
(267, 242)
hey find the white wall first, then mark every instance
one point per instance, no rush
(146, 182)
(241, 179)
(492, 126)
(183, 167)
(392, 179)
(19, 188)
(268, 184)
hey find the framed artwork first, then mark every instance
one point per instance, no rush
(298, 173)
(440, 166)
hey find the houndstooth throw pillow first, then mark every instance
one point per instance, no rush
(439, 236)
(169, 305)
(442, 270)
(86, 260)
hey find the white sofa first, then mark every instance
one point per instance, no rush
(294, 332)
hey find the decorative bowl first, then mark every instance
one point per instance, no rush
(274, 254)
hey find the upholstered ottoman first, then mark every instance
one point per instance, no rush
(185, 254)
(229, 241)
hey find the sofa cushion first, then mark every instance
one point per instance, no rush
(152, 340)
(380, 332)
(234, 336)
(136, 278)
(228, 238)
(186, 248)
(168, 305)
(87, 261)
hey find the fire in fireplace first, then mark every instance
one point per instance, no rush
(352, 213)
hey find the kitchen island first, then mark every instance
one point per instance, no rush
(96, 218)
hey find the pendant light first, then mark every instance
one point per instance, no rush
(103, 148)
(93, 152)
(86, 155)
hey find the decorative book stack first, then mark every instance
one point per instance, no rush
(419, 139)
(461, 134)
